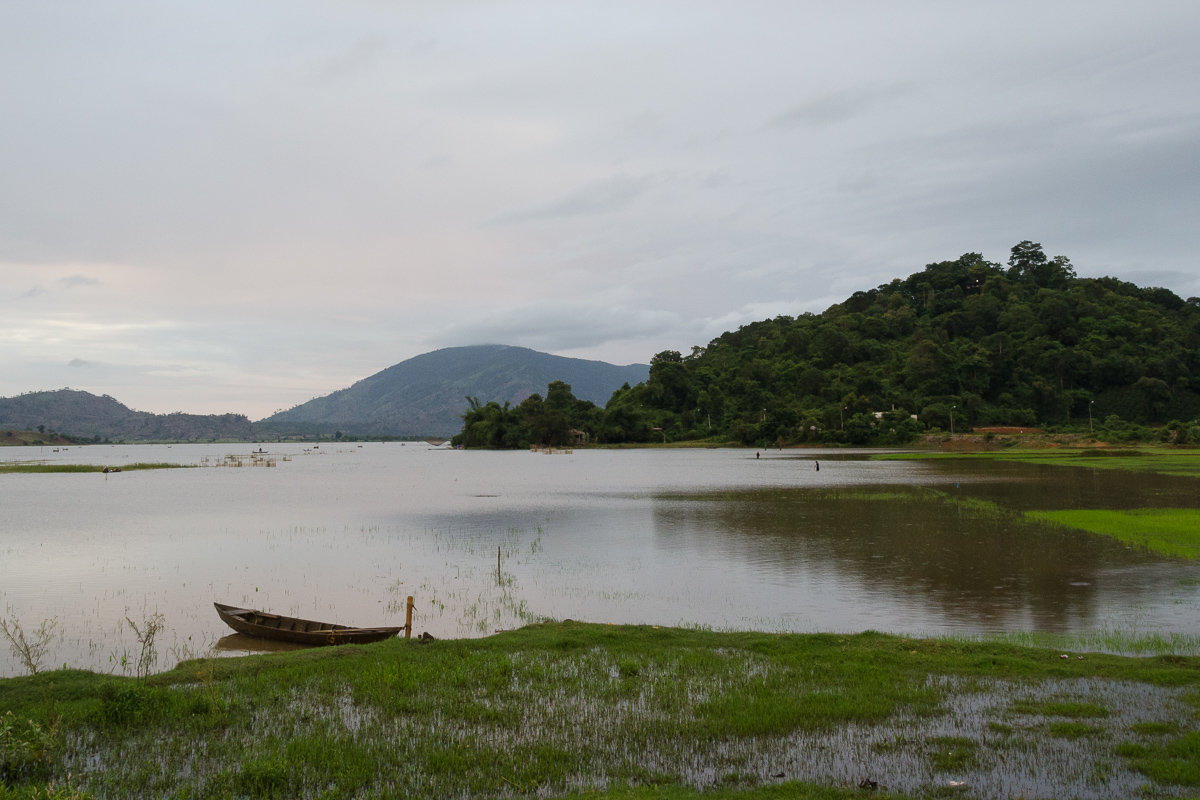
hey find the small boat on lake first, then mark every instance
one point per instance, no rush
(265, 625)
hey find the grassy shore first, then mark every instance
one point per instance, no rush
(573, 709)
(1170, 531)
(1183, 462)
(43, 467)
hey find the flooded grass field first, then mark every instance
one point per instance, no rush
(721, 539)
(556, 709)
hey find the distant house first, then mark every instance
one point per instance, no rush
(879, 415)
(579, 437)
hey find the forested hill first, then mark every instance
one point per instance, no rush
(962, 343)
(1024, 344)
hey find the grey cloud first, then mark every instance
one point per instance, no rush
(835, 107)
(79, 280)
(600, 197)
(344, 61)
(570, 326)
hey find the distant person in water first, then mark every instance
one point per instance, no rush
(818, 463)
(756, 455)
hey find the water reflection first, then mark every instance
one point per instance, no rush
(1027, 487)
(241, 644)
(977, 570)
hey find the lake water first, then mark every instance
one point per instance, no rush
(717, 538)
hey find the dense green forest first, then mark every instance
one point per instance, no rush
(963, 343)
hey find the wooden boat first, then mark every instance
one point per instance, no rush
(265, 625)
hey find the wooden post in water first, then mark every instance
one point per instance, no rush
(408, 619)
(497, 565)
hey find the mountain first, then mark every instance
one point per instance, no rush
(423, 396)
(85, 415)
(427, 395)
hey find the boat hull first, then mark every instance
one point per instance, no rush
(264, 625)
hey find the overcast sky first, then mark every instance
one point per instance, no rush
(239, 206)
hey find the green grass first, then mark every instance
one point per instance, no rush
(39, 467)
(784, 790)
(1128, 643)
(1170, 531)
(1174, 761)
(1160, 460)
(560, 708)
(1060, 708)
(953, 753)
(1074, 730)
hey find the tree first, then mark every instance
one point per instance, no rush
(1029, 263)
(670, 383)
(1024, 258)
(1155, 395)
(490, 425)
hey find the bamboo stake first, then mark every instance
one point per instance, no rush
(408, 619)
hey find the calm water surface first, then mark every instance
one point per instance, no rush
(695, 537)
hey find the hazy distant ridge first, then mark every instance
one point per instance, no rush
(426, 395)
(423, 396)
(83, 414)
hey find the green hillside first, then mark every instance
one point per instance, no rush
(962, 343)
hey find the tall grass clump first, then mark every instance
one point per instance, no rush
(32, 649)
(146, 634)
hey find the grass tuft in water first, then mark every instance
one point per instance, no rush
(1175, 761)
(953, 753)
(1074, 730)
(1059, 708)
